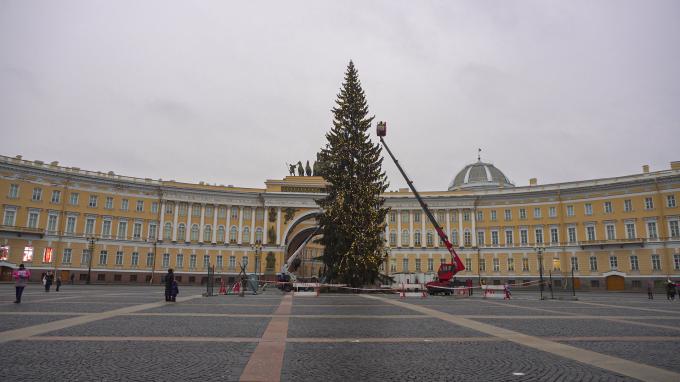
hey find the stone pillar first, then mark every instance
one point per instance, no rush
(265, 224)
(214, 228)
(278, 226)
(398, 228)
(188, 229)
(240, 226)
(161, 229)
(174, 222)
(200, 227)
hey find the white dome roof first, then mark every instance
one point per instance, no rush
(479, 175)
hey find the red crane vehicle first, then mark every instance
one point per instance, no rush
(447, 271)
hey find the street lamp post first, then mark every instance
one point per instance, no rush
(257, 247)
(539, 250)
(91, 240)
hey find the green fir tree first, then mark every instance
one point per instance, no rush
(353, 218)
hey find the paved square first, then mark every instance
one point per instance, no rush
(129, 333)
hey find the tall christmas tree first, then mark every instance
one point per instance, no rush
(353, 218)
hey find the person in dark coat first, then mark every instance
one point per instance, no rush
(174, 292)
(49, 278)
(58, 283)
(169, 279)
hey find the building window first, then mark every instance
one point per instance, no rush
(430, 265)
(627, 205)
(154, 207)
(523, 236)
(608, 207)
(634, 265)
(195, 210)
(150, 260)
(649, 203)
(522, 213)
(511, 264)
(103, 257)
(554, 236)
(482, 265)
(537, 212)
(466, 216)
(246, 234)
(571, 231)
(494, 238)
(480, 215)
(208, 211)
(137, 231)
(593, 263)
(393, 237)
(134, 259)
(416, 238)
(493, 215)
(71, 225)
(192, 262)
(9, 217)
(454, 237)
(430, 239)
(33, 219)
(468, 264)
(181, 232)
(140, 206)
(47, 255)
(468, 239)
(588, 209)
(651, 230)
(28, 254)
(89, 226)
(441, 217)
(417, 265)
(122, 230)
(182, 209)
(119, 258)
(169, 207)
(109, 203)
(405, 239)
(508, 238)
(496, 265)
(93, 201)
(234, 212)
(51, 223)
(220, 261)
(656, 263)
(179, 260)
(37, 194)
(106, 228)
(232, 262)
(152, 231)
(480, 238)
(611, 232)
(194, 232)
(676, 262)
(124, 204)
(207, 233)
(66, 259)
(206, 261)
(570, 210)
(74, 198)
(590, 233)
(674, 227)
(574, 263)
(13, 191)
(393, 217)
(258, 235)
(630, 231)
(552, 212)
(613, 263)
(233, 234)
(670, 201)
(416, 217)
(508, 215)
(525, 264)
(56, 196)
(167, 231)
(539, 235)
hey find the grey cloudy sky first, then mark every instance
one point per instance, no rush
(228, 92)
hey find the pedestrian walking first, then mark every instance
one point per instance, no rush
(650, 290)
(670, 290)
(506, 290)
(169, 279)
(175, 291)
(58, 283)
(21, 277)
(73, 278)
(49, 279)
(468, 285)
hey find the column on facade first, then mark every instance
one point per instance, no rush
(187, 232)
(200, 227)
(174, 222)
(410, 226)
(278, 226)
(474, 232)
(460, 228)
(265, 225)
(214, 228)
(435, 236)
(387, 229)
(240, 225)
(398, 228)
(423, 235)
(253, 212)
(448, 225)
(159, 233)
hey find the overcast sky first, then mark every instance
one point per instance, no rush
(228, 92)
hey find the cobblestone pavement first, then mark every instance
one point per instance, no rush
(333, 337)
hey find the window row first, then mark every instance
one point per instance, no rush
(194, 233)
(209, 211)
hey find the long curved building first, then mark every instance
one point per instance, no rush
(612, 233)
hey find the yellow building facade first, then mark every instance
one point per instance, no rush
(614, 233)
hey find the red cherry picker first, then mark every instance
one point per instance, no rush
(447, 271)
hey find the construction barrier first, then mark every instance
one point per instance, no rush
(223, 288)
(495, 291)
(298, 292)
(419, 290)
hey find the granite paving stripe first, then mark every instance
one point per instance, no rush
(342, 310)
(143, 339)
(642, 323)
(575, 328)
(266, 362)
(617, 339)
(614, 364)
(393, 328)
(123, 361)
(662, 354)
(172, 326)
(318, 316)
(628, 307)
(17, 334)
(233, 309)
(16, 321)
(71, 308)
